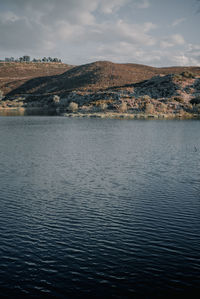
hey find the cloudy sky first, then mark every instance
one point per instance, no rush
(153, 32)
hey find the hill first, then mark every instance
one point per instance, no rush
(100, 75)
(15, 74)
(105, 87)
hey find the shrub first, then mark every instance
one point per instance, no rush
(86, 108)
(162, 107)
(56, 99)
(146, 98)
(123, 107)
(178, 77)
(149, 108)
(73, 107)
(103, 106)
(188, 74)
(1, 95)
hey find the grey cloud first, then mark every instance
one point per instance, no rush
(81, 30)
(21, 34)
(198, 8)
(119, 31)
(41, 24)
(171, 41)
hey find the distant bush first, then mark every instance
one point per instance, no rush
(162, 107)
(103, 106)
(123, 107)
(1, 95)
(146, 98)
(188, 74)
(178, 77)
(184, 75)
(86, 108)
(56, 99)
(149, 108)
(73, 107)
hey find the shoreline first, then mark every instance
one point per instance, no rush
(103, 115)
(116, 115)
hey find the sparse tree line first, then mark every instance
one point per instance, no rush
(27, 58)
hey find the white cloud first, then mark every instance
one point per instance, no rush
(143, 4)
(119, 52)
(134, 32)
(69, 32)
(180, 59)
(192, 47)
(177, 39)
(108, 33)
(109, 6)
(178, 22)
(183, 59)
(166, 44)
(124, 52)
(171, 41)
(187, 56)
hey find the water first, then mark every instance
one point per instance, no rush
(99, 208)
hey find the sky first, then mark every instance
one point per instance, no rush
(152, 32)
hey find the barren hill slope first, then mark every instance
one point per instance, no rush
(14, 74)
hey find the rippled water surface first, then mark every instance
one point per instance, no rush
(99, 208)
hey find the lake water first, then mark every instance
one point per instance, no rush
(99, 208)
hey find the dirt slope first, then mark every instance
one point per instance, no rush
(14, 74)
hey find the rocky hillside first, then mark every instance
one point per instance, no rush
(86, 91)
(173, 95)
(15, 74)
(92, 77)
(185, 85)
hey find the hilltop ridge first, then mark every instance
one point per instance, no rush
(92, 76)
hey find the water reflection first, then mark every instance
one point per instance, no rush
(26, 112)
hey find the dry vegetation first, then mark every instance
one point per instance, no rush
(15, 74)
(90, 77)
(102, 88)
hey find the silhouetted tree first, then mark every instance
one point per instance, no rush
(26, 58)
(44, 59)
